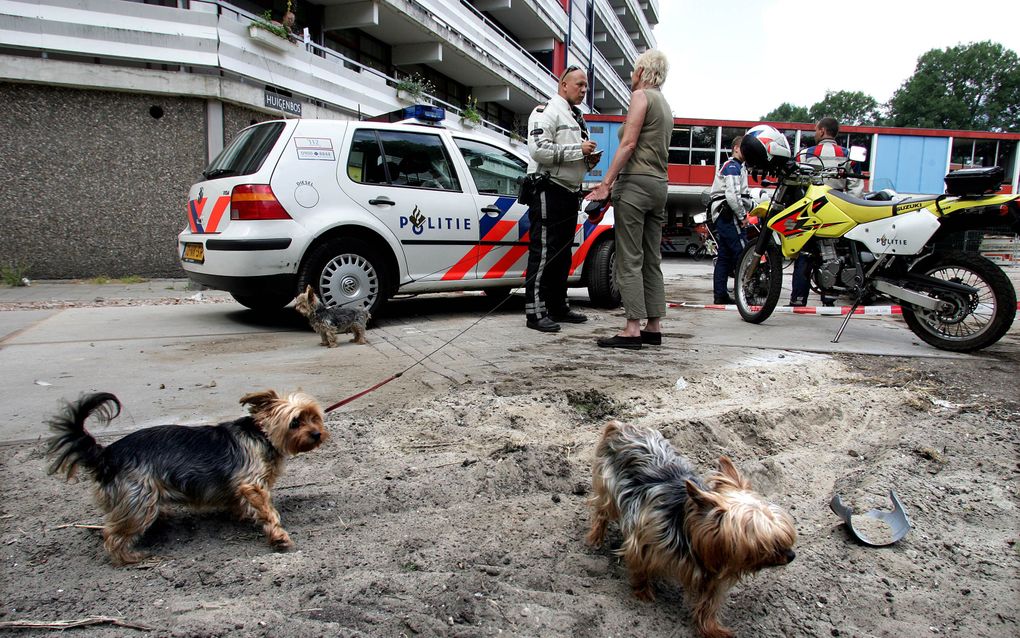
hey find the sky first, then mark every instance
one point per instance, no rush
(739, 59)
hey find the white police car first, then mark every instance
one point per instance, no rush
(366, 210)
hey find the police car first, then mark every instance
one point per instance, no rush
(365, 210)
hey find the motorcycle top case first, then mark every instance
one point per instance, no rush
(974, 181)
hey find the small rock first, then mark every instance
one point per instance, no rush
(525, 612)
(555, 498)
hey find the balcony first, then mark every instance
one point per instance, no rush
(613, 40)
(632, 17)
(453, 38)
(612, 94)
(211, 53)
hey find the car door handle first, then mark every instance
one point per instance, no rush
(381, 201)
(492, 211)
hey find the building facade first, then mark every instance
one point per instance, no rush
(114, 107)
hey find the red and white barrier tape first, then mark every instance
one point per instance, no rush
(805, 310)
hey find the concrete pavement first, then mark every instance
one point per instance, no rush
(172, 356)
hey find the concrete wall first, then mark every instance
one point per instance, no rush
(94, 184)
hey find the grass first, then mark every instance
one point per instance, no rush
(14, 274)
(103, 279)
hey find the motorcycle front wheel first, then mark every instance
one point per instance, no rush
(974, 322)
(758, 283)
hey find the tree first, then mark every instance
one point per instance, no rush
(852, 108)
(787, 112)
(970, 86)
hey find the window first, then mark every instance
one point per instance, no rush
(1006, 158)
(680, 146)
(962, 154)
(362, 48)
(494, 170)
(861, 139)
(703, 137)
(985, 152)
(246, 153)
(398, 158)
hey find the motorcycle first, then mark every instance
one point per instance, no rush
(894, 250)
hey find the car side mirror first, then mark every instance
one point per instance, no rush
(858, 153)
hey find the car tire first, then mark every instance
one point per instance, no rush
(263, 303)
(600, 275)
(347, 272)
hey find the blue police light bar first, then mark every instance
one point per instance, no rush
(425, 113)
(419, 113)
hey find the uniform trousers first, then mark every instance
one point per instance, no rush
(553, 220)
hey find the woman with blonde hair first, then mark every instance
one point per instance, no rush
(637, 180)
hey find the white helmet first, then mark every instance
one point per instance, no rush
(765, 148)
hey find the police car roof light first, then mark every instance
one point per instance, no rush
(425, 113)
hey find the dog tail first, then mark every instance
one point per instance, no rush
(72, 446)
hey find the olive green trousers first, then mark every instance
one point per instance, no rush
(639, 210)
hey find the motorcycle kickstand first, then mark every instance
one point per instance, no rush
(846, 320)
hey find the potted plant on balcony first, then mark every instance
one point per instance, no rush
(281, 37)
(469, 116)
(414, 88)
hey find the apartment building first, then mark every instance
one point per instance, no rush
(113, 107)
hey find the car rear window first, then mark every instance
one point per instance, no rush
(246, 153)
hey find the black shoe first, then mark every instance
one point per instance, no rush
(796, 305)
(651, 338)
(571, 316)
(724, 301)
(545, 324)
(616, 341)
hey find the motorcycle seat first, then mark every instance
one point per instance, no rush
(863, 210)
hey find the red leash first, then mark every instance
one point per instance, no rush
(344, 402)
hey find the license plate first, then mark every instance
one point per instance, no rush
(194, 253)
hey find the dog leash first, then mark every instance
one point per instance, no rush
(340, 404)
(344, 402)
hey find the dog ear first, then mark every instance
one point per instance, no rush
(309, 290)
(703, 499)
(259, 401)
(727, 469)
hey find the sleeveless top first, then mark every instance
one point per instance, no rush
(652, 150)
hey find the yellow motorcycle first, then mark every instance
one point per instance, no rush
(951, 299)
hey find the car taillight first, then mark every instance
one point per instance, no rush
(255, 201)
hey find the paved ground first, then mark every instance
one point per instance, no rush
(175, 354)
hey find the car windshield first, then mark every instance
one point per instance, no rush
(246, 153)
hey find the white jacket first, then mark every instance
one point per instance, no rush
(554, 141)
(730, 186)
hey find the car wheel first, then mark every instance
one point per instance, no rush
(263, 303)
(601, 276)
(347, 272)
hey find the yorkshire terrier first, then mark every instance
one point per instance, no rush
(232, 465)
(705, 533)
(331, 322)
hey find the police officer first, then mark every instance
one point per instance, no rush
(558, 143)
(730, 204)
(826, 153)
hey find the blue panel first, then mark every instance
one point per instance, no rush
(933, 171)
(604, 135)
(912, 164)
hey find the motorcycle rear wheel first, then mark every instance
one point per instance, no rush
(758, 283)
(975, 323)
